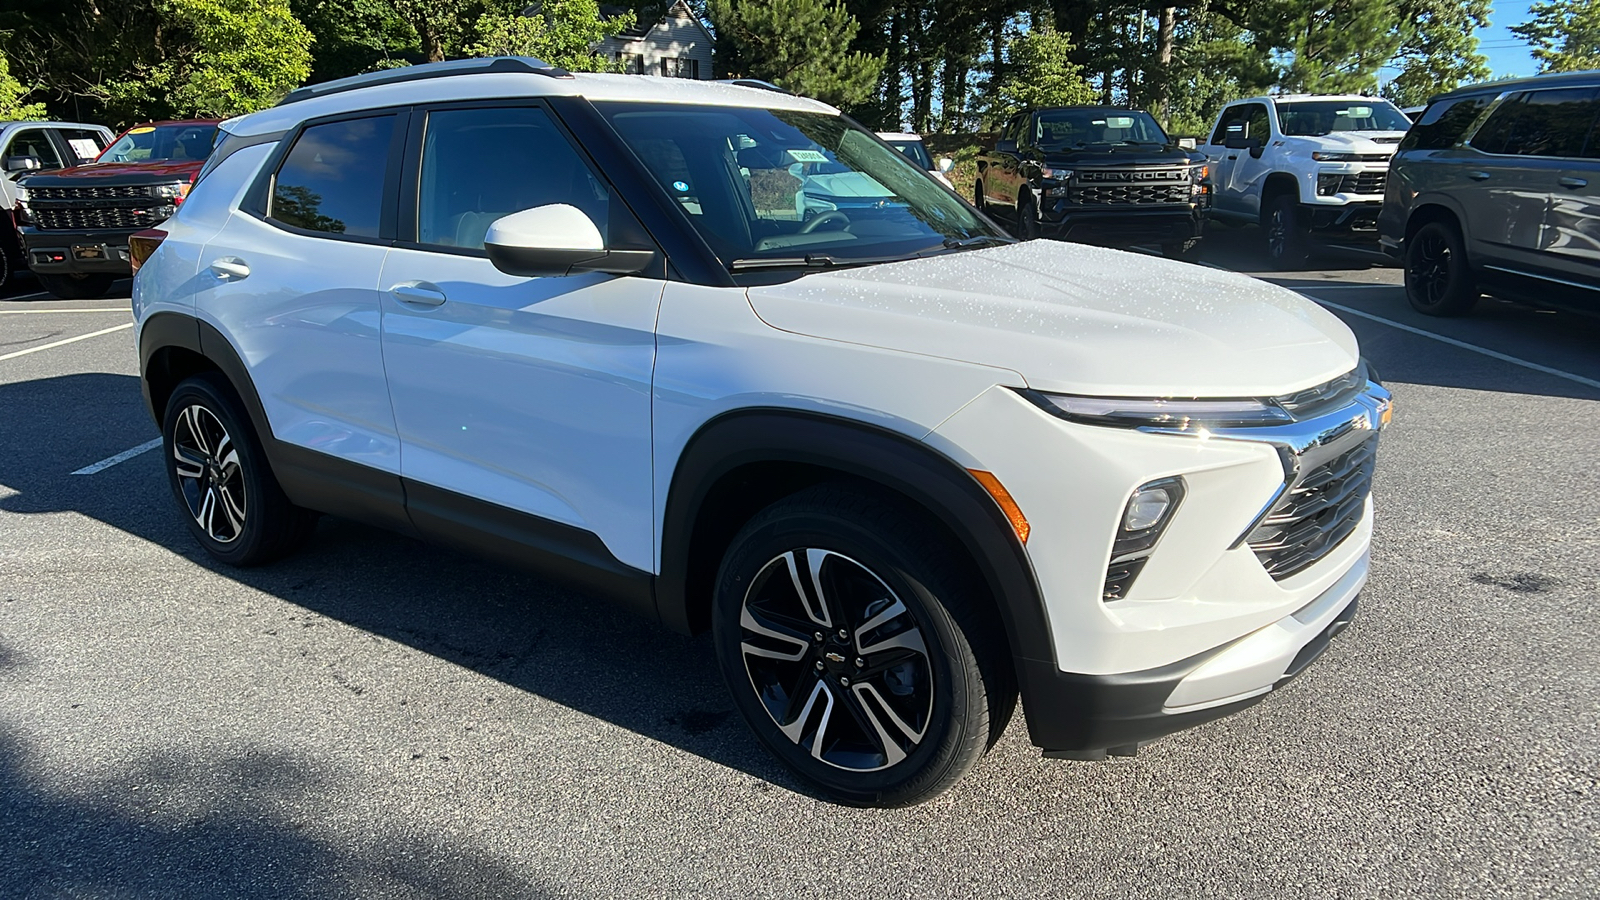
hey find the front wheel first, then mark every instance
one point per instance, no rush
(77, 286)
(977, 196)
(1438, 279)
(859, 655)
(1180, 249)
(1287, 240)
(1027, 217)
(233, 504)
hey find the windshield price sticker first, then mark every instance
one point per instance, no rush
(808, 156)
(84, 147)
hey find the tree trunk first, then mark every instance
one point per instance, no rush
(894, 97)
(1169, 15)
(922, 95)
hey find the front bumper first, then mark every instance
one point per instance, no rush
(1121, 226)
(1355, 220)
(78, 252)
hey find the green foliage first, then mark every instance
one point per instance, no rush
(1438, 49)
(1565, 34)
(355, 36)
(1039, 72)
(1333, 46)
(231, 57)
(11, 93)
(561, 35)
(800, 45)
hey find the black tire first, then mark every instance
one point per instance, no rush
(1287, 238)
(977, 196)
(874, 559)
(1027, 216)
(220, 477)
(5, 264)
(1180, 249)
(1438, 276)
(77, 286)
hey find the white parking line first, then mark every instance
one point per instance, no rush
(47, 312)
(30, 296)
(124, 456)
(61, 343)
(1493, 354)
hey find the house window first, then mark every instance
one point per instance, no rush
(680, 67)
(632, 63)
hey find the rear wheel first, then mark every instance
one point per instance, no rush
(232, 503)
(77, 285)
(1288, 244)
(857, 652)
(1438, 278)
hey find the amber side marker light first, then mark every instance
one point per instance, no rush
(1019, 522)
(142, 244)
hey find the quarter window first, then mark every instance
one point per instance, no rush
(481, 164)
(1443, 124)
(332, 180)
(1553, 123)
(34, 142)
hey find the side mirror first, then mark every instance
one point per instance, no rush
(1236, 141)
(1005, 146)
(1186, 143)
(1255, 149)
(556, 240)
(23, 163)
(946, 164)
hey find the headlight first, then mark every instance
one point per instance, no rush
(22, 195)
(174, 192)
(1325, 156)
(1182, 415)
(1055, 174)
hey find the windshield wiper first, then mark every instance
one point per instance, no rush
(981, 240)
(809, 261)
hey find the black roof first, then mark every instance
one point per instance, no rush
(1588, 78)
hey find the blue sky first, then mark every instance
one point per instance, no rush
(1508, 54)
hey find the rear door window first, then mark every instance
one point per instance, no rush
(1553, 123)
(84, 143)
(332, 180)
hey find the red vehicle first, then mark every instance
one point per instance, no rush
(75, 222)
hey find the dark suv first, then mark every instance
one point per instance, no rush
(1497, 188)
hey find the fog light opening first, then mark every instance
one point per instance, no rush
(1149, 510)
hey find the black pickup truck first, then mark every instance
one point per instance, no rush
(1097, 175)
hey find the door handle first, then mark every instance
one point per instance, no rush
(1233, 156)
(230, 268)
(418, 293)
(1478, 176)
(1570, 182)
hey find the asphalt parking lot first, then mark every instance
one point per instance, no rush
(374, 717)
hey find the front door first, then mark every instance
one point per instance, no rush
(531, 394)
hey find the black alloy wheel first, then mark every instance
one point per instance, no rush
(1438, 278)
(1285, 233)
(856, 650)
(1027, 216)
(219, 474)
(5, 265)
(977, 196)
(1184, 250)
(77, 285)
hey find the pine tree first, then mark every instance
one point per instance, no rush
(800, 45)
(1565, 34)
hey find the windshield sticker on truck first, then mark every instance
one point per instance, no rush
(142, 129)
(808, 156)
(86, 148)
(1355, 112)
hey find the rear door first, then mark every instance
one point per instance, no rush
(1571, 236)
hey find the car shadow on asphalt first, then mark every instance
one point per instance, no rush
(186, 825)
(525, 631)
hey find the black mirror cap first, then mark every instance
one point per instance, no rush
(1236, 141)
(544, 262)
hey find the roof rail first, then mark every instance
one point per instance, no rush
(756, 83)
(496, 64)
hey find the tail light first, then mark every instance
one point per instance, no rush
(142, 245)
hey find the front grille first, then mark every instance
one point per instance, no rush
(1312, 401)
(83, 219)
(1129, 194)
(1318, 513)
(1360, 183)
(91, 192)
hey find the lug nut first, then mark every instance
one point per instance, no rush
(817, 637)
(844, 681)
(860, 663)
(820, 666)
(844, 635)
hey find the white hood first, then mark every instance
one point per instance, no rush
(1077, 319)
(1355, 141)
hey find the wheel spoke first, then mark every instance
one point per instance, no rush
(870, 703)
(231, 510)
(910, 639)
(799, 642)
(187, 463)
(197, 430)
(795, 728)
(816, 606)
(208, 511)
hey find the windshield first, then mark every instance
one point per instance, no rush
(776, 187)
(1064, 128)
(161, 142)
(914, 151)
(1314, 118)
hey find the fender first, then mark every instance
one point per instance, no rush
(910, 468)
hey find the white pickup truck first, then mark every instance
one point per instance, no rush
(1299, 163)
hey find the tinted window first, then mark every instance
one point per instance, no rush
(1260, 127)
(1552, 123)
(481, 164)
(1442, 124)
(914, 151)
(1231, 117)
(332, 180)
(34, 142)
(1491, 138)
(1064, 128)
(85, 144)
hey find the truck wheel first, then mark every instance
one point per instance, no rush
(1438, 278)
(1287, 244)
(857, 650)
(977, 196)
(232, 502)
(1180, 249)
(77, 286)
(5, 266)
(1027, 217)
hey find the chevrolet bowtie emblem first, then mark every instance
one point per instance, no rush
(834, 657)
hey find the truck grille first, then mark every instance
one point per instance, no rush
(1360, 183)
(1129, 194)
(1317, 513)
(91, 192)
(87, 218)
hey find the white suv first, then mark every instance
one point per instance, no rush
(721, 354)
(1299, 163)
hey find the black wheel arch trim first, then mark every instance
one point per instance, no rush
(908, 467)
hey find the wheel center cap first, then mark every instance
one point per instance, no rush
(833, 657)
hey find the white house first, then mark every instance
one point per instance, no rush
(677, 45)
